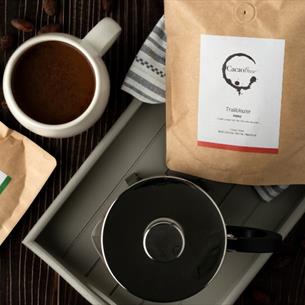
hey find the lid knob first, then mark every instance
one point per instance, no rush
(163, 240)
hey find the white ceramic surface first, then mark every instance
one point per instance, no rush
(93, 46)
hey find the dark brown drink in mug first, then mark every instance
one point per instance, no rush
(53, 83)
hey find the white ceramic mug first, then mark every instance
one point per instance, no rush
(93, 47)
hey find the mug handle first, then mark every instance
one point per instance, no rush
(103, 35)
(243, 239)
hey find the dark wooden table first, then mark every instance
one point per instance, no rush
(24, 278)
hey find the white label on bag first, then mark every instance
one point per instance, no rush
(4, 181)
(240, 93)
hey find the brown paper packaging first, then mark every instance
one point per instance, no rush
(185, 21)
(29, 167)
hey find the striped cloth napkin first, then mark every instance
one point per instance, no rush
(146, 82)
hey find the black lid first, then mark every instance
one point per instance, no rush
(164, 239)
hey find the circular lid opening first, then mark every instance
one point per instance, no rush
(163, 240)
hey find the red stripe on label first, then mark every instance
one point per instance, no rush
(240, 148)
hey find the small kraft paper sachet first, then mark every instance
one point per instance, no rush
(24, 169)
(236, 90)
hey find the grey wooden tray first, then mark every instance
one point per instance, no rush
(136, 144)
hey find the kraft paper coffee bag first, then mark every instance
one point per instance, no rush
(24, 169)
(236, 90)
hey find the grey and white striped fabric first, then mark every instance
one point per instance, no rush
(146, 82)
(267, 193)
(146, 77)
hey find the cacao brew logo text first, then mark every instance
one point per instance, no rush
(239, 71)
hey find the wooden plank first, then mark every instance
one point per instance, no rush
(145, 165)
(217, 190)
(101, 279)
(80, 252)
(102, 179)
(239, 204)
(271, 215)
(24, 278)
(239, 267)
(154, 303)
(225, 281)
(122, 297)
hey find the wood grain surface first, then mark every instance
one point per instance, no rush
(24, 278)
